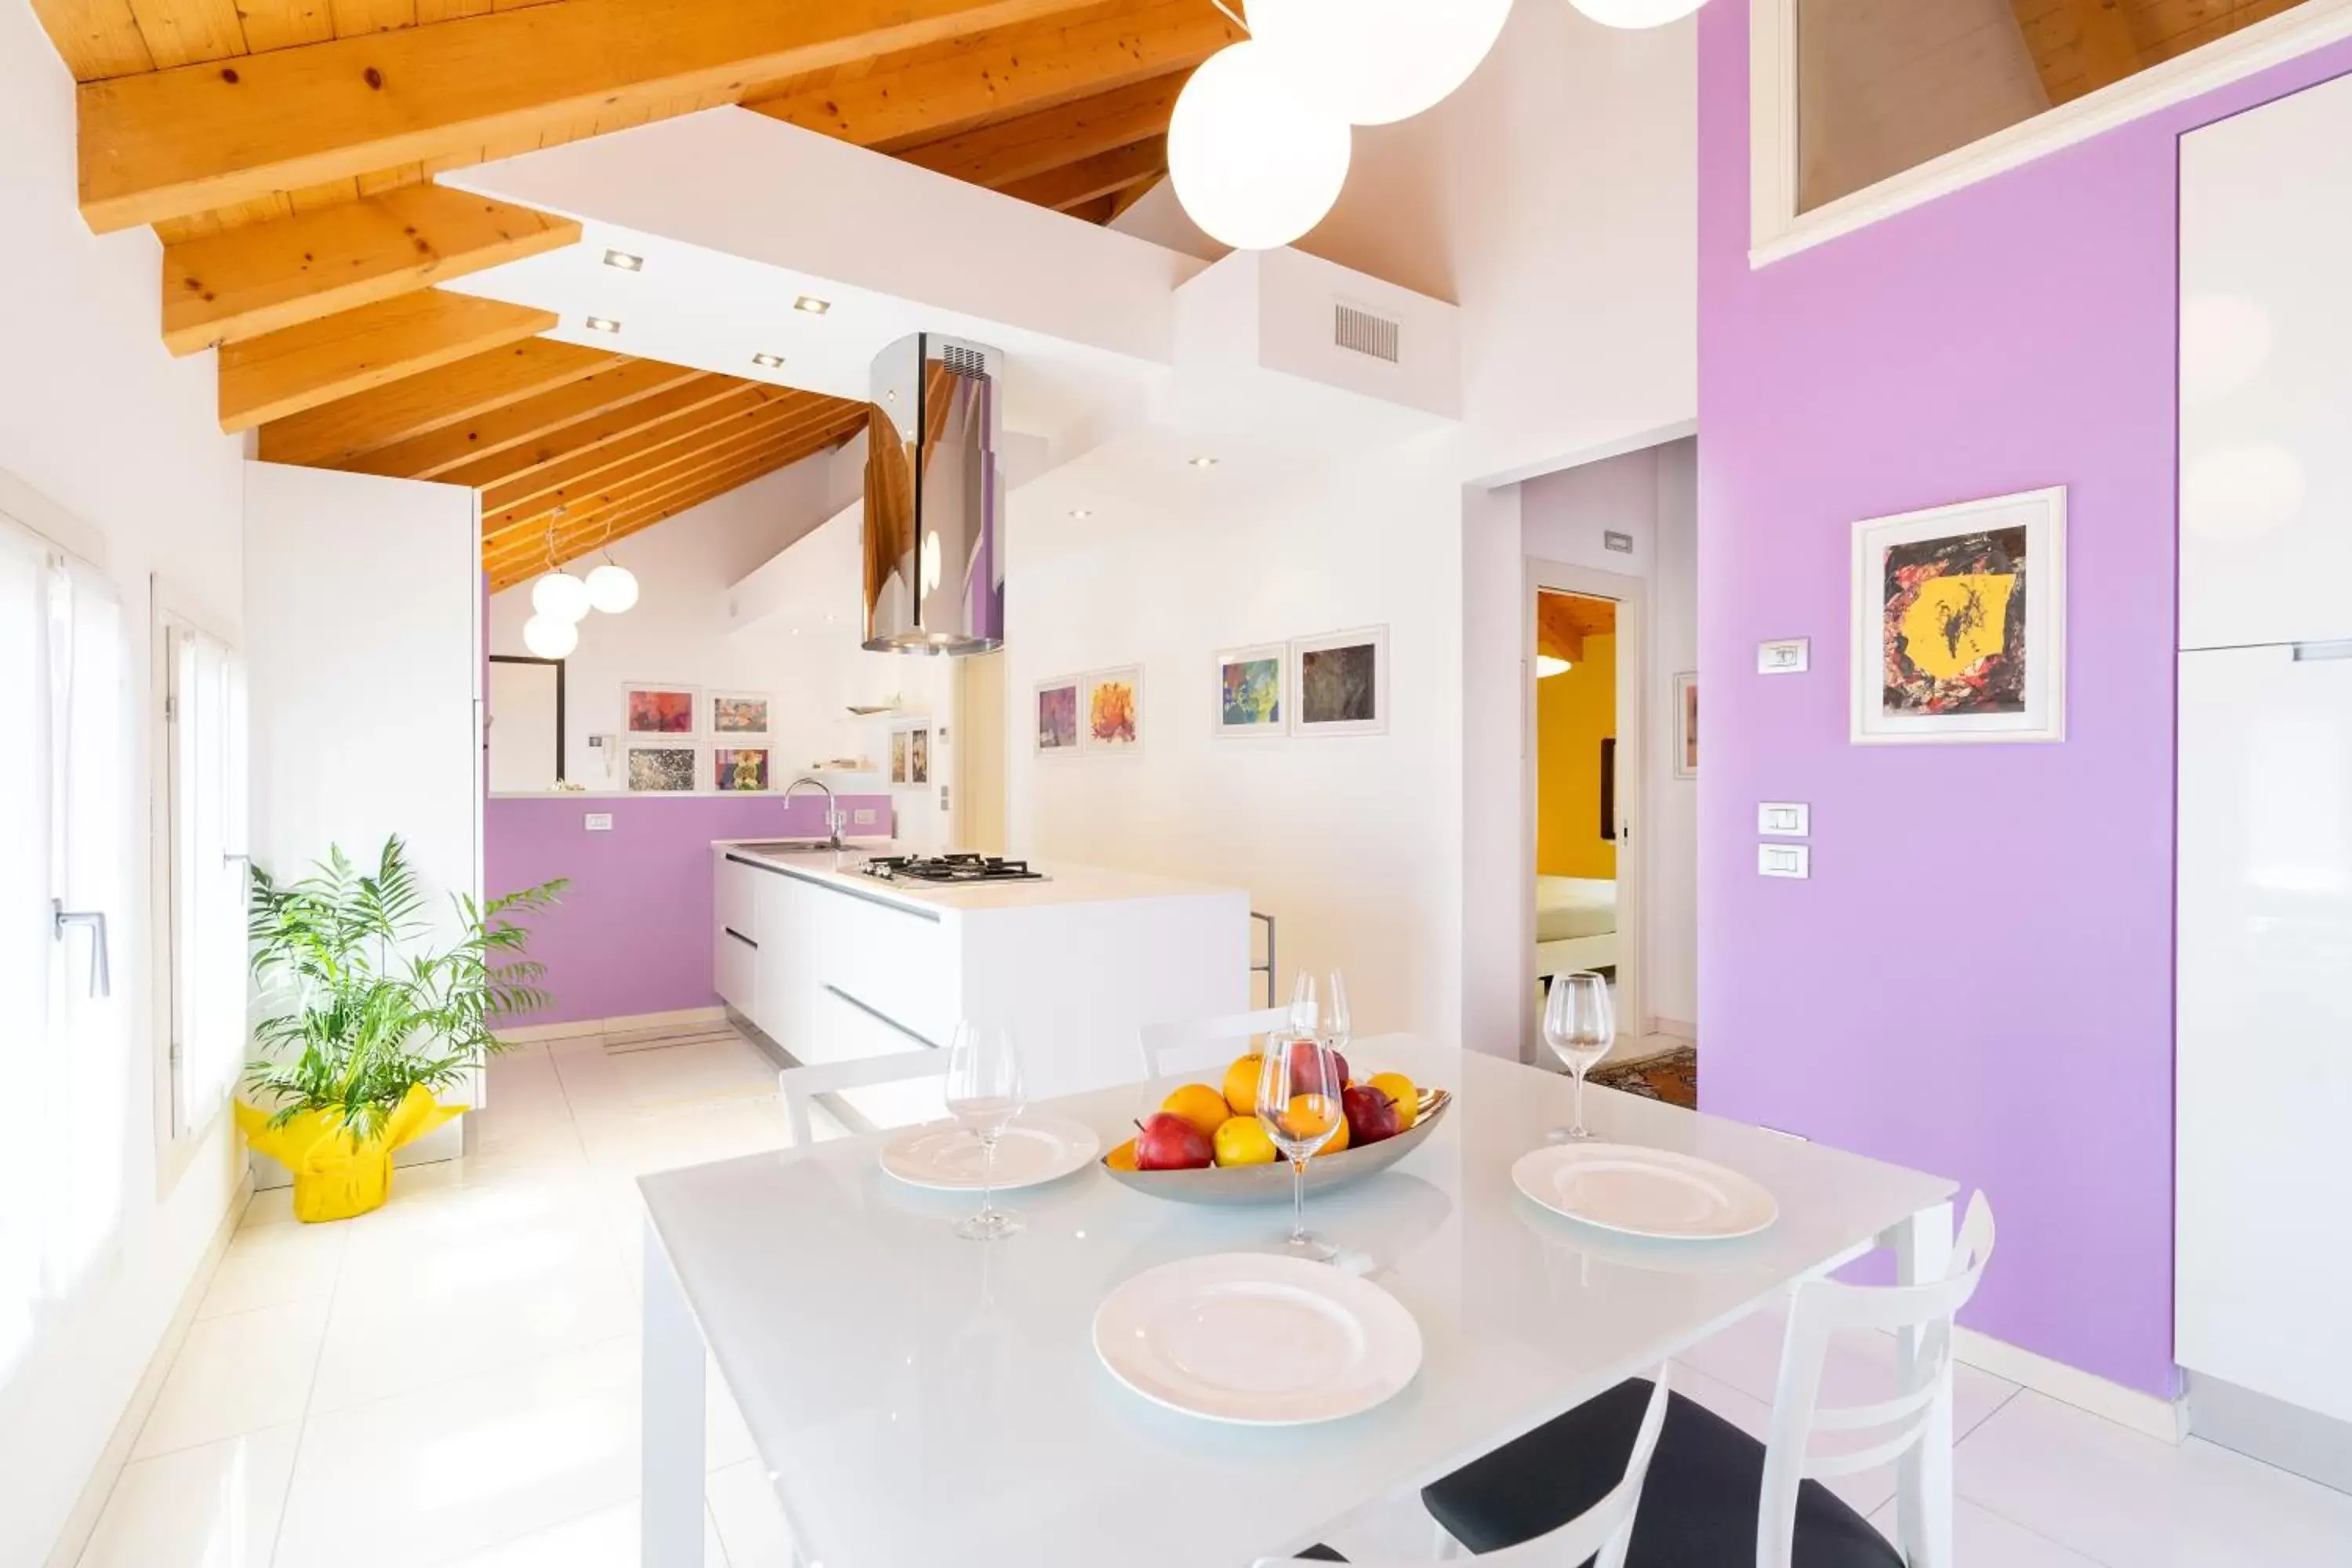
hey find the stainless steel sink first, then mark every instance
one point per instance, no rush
(784, 847)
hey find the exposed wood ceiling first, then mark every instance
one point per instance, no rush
(2080, 46)
(1564, 620)
(283, 151)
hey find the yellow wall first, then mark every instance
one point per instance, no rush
(1573, 712)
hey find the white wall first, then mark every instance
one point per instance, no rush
(95, 416)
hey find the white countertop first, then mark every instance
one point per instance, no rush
(1064, 884)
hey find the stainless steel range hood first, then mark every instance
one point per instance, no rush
(931, 554)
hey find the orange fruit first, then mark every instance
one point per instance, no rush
(1241, 1084)
(1400, 1089)
(1311, 1113)
(1121, 1158)
(1201, 1106)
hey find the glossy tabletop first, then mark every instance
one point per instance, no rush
(927, 1400)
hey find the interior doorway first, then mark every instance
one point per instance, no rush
(982, 736)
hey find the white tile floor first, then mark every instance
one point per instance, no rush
(454, 1379)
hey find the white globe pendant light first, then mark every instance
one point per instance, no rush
(1375, 61)
(1636, 13)
(548, 637)
(1254, 163)
(612, 588)
(559, 596)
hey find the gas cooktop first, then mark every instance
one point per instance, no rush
(950, 868)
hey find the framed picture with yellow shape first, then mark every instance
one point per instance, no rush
(1959, 623)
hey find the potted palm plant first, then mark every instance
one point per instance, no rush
(362, 1025)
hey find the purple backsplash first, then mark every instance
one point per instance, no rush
(633, 933)
(1978, 979)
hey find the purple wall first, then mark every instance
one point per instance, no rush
(1978, 979)
(633, 933)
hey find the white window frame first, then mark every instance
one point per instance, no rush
(1778, 230)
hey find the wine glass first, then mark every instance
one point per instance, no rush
(1337, 1029)
(984, 1093)
(1298, 1104)
(1579, 1025)
(1305, 1018)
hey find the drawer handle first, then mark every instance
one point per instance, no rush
(2313, 652)
(738, 936)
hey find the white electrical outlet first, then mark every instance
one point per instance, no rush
(863, 816)
(600, 822)
(1784, 819)
(1784, 860)
(1789, 655)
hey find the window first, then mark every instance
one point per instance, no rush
(204, 724)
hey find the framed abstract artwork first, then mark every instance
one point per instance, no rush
(1250, 683)
(1111, 710)
(741, 770)
(1057, 717)
(1686, 724)
(910, 755)
(1340, 681)
(1959, 623)
(655, 710)
(660, 767)
(739, 713)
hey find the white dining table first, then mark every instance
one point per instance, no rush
(921, 1400)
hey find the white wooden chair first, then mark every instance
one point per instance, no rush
(1599, 1535)
(1709, 1508)
(800, 1085)
(1170, 1048)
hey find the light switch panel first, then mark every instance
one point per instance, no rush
(863, 816)
(1784, 819)
(1784, 860)
(600, 822)
(1789, 655)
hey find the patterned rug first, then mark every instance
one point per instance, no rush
(1673, 1078)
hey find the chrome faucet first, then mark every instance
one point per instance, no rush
(832, 808)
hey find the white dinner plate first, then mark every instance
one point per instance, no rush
(945, 1157)
(1257, 1339)
(1644, 1191)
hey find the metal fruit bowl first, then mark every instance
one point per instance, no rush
(1271, 1183)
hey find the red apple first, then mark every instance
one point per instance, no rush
(1371, 1115)
(1166, 1142)
(1302, 1068)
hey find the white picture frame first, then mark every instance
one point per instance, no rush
(654, 703)
(1050, 739)
(1686, 729)
(1093, 741)
(1222, 710)
(1879, 621)
(913, 756)
(723, 752)
(1336, 703)
(638, 782)
(729, 712)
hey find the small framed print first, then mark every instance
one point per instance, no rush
(657, 709)
(1341, 682)
(1250, 682)
(910, 755)
(1112, 710)
(1959, 623)
(739, 713)
(660, 767)
(741, 770)
(1057, 717)
(1686, 724)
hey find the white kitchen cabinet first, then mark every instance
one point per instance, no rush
(781, 994)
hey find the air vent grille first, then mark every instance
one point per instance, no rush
(1360, 331)
(963, 360)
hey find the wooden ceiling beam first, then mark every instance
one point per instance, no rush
(95, 38)
(1088, 179)
(2103, 34)
(1033, 144)
(335, 433)
(299, 367)
(579, 502)
(630, 392)
(1134, 194)
(169, 144)
(243, 282)
(987, 77)
(750, 404)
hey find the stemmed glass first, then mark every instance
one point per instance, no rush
(984, 1093)
(1579, 1025)
(1305, 1017)
(1337, 1029)
(1298, 1104)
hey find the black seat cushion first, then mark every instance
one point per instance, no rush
(1322, 1554)
(1698, 1506)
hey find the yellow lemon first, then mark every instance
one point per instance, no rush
(1201, 1106)
(1240, 1085)
(1242, 1141)
(1398, 1088)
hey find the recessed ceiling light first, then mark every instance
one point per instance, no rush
(809, 304)
(1080, 513)
(772, 362)
(625, 261)
(1202, 462)
(602, 324)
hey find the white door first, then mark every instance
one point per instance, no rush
(2264, 1053)
(526, 724)
(65, 920)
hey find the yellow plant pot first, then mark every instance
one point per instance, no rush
(334, 1176)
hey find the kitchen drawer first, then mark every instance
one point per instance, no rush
(844, 1031)
(734, 970)
(735, 898)
(896, 962)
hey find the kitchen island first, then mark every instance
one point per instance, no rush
(831, 963)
